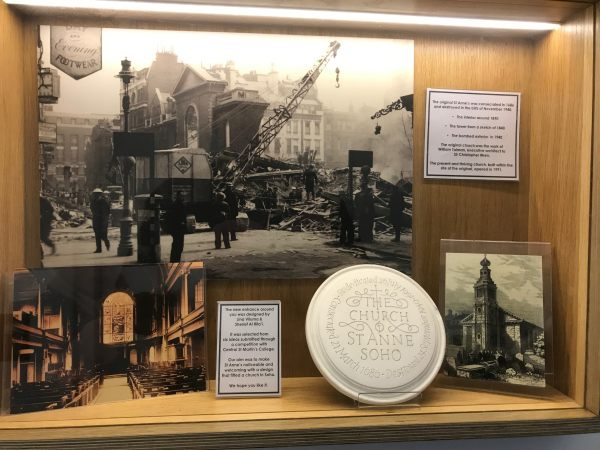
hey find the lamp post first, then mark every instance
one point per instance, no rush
(48, 93)
(125, 243)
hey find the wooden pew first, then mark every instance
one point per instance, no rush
(70, 390)
(166, 381)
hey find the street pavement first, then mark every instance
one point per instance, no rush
(256, 253)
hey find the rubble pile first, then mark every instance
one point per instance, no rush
(266, 194)
(274, 199)
(67, 214)
(313, 216)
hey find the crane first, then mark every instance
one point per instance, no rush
(404, 102)
(272, 126)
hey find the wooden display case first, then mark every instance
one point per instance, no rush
(556, 200)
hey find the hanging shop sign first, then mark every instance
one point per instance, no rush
(47, 132)
(77, 51)
(48, 86)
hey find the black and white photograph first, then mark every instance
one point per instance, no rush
(84, 336)
(495, 306)
(265, 156)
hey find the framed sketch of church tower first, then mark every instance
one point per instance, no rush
(496, 298)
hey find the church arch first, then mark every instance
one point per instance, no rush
(118, 314)
(192, 127)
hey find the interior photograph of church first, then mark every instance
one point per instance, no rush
(92, 335)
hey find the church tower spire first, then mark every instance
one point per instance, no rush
(485, 310)
(485, 288)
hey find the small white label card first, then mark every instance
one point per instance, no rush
(472, 135)
(249, 349)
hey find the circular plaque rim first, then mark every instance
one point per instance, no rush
(347, 386)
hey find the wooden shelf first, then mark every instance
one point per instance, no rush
(306, 404)
(557, 200)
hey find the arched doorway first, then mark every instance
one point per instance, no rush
(118, 318)
(191, 127)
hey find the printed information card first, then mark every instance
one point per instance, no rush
(472, 135)
(248, 349)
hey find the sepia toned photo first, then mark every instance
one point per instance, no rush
(271, 156)
(93, 335)
(495, 306)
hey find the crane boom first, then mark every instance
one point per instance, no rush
(272, 126)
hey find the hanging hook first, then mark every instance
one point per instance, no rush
(337, 77)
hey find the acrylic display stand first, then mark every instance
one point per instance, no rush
(415, 401)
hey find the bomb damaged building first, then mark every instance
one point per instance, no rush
(275, 140)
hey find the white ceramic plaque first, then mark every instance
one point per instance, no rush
(375, 334)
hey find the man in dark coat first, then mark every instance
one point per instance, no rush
(397, 205)
(100, 215)
(219, 221)
(364, 204)
(346, 218)
(175, 224)
(46, 218)
(310, 181)
(232, 200)
(272, 199)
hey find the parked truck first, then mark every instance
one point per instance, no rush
(185, 170)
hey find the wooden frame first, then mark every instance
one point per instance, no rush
(557, 200)
(495, 248)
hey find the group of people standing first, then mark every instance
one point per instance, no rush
(224, 210)
(361, 208)
(222, 219)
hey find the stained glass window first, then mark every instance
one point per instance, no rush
(117, 318)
